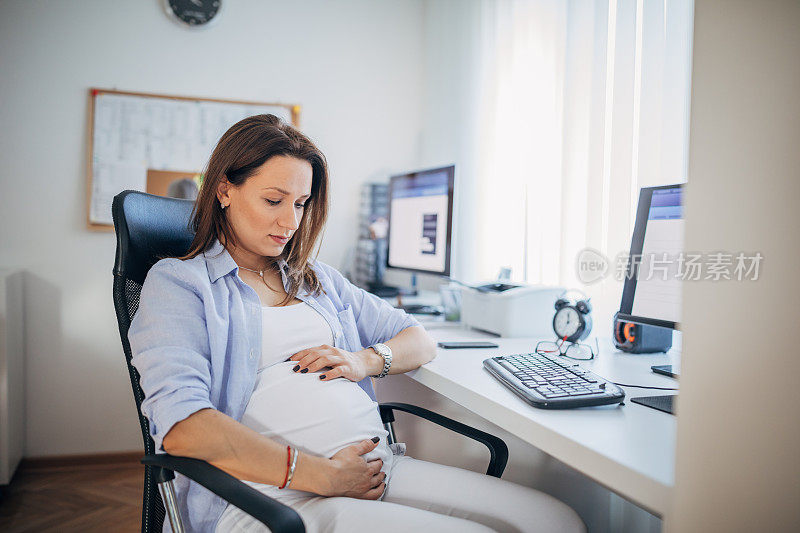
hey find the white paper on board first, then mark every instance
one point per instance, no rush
(135, 133)
(110, 180)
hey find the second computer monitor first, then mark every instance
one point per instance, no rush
(652, 292)
(421, 221)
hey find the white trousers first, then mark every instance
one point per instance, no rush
(424, 496)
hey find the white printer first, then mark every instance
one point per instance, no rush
(509, 309)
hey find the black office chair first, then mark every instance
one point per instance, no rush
(150, 227)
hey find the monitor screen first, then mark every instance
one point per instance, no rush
(652, 293)
(421, 221)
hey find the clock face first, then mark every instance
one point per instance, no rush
(193, 12)
(566, 322)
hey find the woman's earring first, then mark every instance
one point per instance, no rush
(221, 205)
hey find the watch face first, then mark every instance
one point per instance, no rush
(193, 12)
(382, 350)
(567, 322)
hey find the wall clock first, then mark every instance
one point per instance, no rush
(193, 13)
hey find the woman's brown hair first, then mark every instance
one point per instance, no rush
(246, 146)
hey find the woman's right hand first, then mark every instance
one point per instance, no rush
(353, 476)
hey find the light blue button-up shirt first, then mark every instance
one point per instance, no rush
(196, 342)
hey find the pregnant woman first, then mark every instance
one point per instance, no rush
(251, 356)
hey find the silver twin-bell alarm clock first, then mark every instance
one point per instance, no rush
(573, 319)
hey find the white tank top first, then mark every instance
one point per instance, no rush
(317, 417)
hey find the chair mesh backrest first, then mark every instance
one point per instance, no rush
(148, 228)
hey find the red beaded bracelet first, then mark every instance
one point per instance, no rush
(288, 464)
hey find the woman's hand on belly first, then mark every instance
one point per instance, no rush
(354, 366)
(353, 476)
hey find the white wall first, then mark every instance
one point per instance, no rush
(354, 66)
(737, 462)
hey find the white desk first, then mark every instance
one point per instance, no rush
(629, 449)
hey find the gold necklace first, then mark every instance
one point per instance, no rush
(260, 275)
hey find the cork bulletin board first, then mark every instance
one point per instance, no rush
(156, 143)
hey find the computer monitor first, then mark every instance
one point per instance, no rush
(421, 221)
(652, 292)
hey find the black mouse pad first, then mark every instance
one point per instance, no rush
(662, 403)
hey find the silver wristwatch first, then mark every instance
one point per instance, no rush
(385, 352)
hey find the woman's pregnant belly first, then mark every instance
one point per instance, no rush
(317, 417)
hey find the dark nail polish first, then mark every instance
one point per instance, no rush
(375, 439)
(296, 368)
(322, 376)
(304, 371)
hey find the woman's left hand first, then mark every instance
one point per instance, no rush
(353, 366)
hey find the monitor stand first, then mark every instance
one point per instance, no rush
(407, 291)
(383, 291)
(422, 309)
(665, 403)
(416, 309)
(388, 291)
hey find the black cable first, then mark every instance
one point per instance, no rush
(642, 386)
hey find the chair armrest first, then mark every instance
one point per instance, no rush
(275, 515)
(497, 448)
